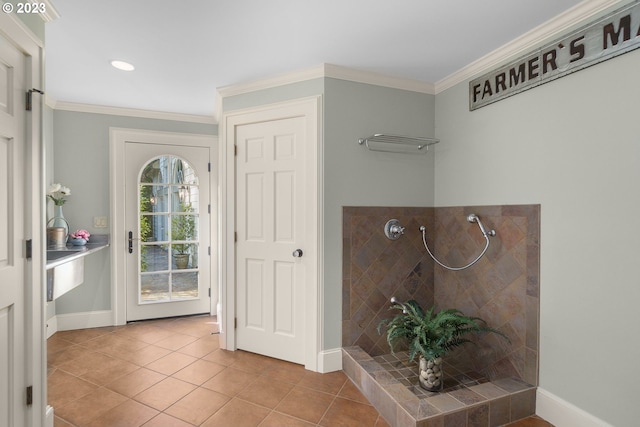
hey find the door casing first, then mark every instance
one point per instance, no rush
(118, 137)
(310, 109)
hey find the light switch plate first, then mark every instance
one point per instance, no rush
(100, 222)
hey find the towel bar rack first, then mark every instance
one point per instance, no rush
(397, 143)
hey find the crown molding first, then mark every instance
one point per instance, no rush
(51, 13)
(555, 26)
(327, 71)
(130, 112)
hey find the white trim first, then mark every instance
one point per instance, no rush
(311, 109)
(52, 326)
(117, 139)
(327, 71)
(51, 13)
(527, 41)
(330, 360)
(49, 417)
(132, 112)
(561, 413)
(35, 354)
(88, 319)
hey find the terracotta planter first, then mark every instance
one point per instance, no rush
(182, 261)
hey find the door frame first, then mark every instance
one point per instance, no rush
(118, 137)
(35, 353)
(311, 109)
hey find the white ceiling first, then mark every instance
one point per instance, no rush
(184, 50)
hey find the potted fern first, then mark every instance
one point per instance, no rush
(430, 335)
(183, 230)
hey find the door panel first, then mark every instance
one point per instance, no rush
(271, 220)
(168, 215)
(12, 235)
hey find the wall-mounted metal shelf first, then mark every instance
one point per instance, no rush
(397, 143)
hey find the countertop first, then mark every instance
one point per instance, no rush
(58, 257)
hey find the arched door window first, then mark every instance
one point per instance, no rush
(168, 231)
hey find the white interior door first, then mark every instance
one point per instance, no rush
(12, 235)
(167, 221)
(272, 237)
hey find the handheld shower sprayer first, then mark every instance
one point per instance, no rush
(471, 218)
(474, 218)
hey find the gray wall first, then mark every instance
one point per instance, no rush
(81, 162)
(353, 175)
(573, 146)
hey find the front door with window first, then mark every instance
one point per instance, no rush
(167, 230)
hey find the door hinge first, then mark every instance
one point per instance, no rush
(29, 103)
(235, 323)
(30, 395)
(29, 249)
(208, 167)
(209, 250)
(209, 209)
(235, 150)
(209, 292)
(235, 236)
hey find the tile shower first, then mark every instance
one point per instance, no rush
(490, 384)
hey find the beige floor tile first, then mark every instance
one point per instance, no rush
(128, 414)
(329, 383)
(164, 420)
(348, 413)
(199, 371)
(197, 406)
(222, 357)
(109, 372)
(176, 341)
(237, 413)
(275, 419)
(87, 363)
(90, 406)
(171, 363)
(266, 392)
(202, 346)
(230, 381)
(307, 404)
(59, 422)
(64, 388)
(351, 392)
(165, 393)
(135, 382)
(145, 355)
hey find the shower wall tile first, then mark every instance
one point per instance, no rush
(376, 269)
(502, 288)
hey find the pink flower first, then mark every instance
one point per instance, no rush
(80, 234)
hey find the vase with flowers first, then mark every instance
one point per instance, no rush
(57, 193)
(80, 237)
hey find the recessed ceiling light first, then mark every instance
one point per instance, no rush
(124, 66)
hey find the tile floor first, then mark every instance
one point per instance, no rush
(172, 373)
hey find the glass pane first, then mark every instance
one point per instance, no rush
(184, 198)
(154, 287)
(184, 228)
(154, 258)
(154, 228)
(154, 198)
(156, 171)
(185, 255)
(182, 172)
(184, 285)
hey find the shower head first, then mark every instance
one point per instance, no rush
(474, 218)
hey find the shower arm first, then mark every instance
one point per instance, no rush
(485, 234)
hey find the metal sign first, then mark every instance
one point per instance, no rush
(613, 35)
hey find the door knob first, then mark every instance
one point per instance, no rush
(297, 253)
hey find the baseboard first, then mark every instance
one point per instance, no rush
(90, 319)
(49, 419)
(561, 413)
(330, 360)
(52, 326)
